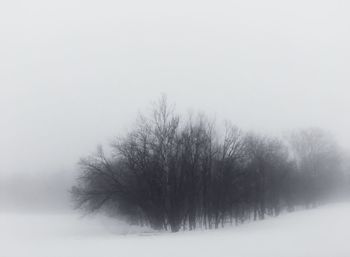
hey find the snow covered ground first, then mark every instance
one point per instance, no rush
(322, 232)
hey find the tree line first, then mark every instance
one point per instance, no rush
(172, 173)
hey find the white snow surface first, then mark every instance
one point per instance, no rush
(321, 232)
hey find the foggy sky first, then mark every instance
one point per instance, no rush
(75, 73)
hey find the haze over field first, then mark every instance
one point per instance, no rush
(76, 74)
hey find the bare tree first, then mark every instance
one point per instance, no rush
(170, 173)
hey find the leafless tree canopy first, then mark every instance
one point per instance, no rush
(174, 173)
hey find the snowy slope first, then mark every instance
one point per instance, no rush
(323, 232)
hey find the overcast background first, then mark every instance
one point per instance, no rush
(75, 73)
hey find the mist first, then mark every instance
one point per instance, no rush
(76, 74)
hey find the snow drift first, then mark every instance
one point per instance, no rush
(319, 232)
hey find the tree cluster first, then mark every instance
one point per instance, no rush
(171, 173)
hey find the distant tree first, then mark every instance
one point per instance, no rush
(318, 161)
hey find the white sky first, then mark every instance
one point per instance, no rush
(74, 73)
